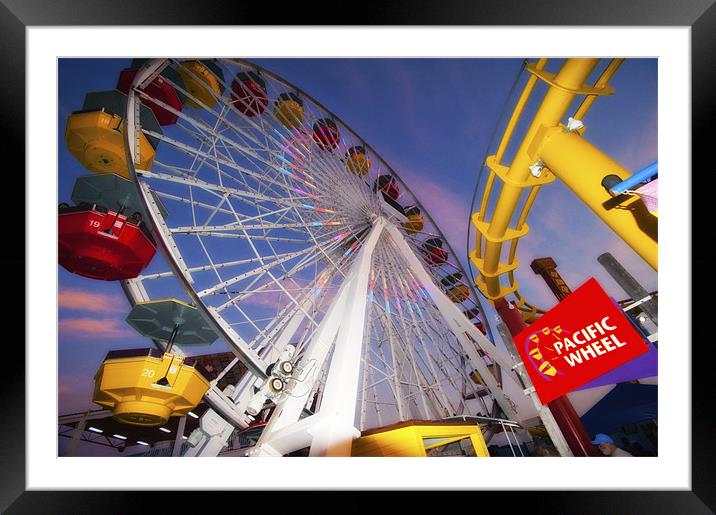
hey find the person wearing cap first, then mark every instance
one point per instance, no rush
(608, 448)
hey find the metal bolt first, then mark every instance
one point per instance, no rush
(536, 169)
(573, 124)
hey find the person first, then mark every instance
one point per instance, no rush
(608, 448)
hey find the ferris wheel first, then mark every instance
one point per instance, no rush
(305, 253)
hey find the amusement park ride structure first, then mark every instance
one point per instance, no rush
(372, 323)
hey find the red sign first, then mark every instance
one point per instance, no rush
(583, 337)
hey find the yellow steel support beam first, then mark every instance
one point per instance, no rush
(570, 80)
(517, 112)
(602, 81)
(581, 166)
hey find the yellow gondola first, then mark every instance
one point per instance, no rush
(201, 82)
(357, 161)
(415, 222)
(288, 110)
(144, 387)
(459, 293)
(96, 139)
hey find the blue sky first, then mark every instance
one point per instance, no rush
(430, 120)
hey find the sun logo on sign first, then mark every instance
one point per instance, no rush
(540, 348)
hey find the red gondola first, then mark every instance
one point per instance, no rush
(434, 253)
(101, 244)
(159, 89)
(389, 186)
(248, 93)
(325, 134)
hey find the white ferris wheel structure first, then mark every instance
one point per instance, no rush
(314, 263)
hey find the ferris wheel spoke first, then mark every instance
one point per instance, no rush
(254, 319)
(202, 268)
(276, 324)
(265, 267)
(370, 369)
(408, 350)
(237, 131)
(274, 172)
(392, 373)
(275, 186)
(238, 226)
(217, 189)
(252, 237)
(332, 243)
(411, 372)
(193, 203)
(197, 151)
(226, 159)
(386, 372)
(427, 359)
(423, 345)
(246, 294)
(397, 358)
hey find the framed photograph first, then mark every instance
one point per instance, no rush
(58, 56)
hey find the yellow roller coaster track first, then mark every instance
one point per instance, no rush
(551, 150)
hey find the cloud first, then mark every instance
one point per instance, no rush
(94, 328)
(74, 392)
(66, 387)
(449, 209)
(275, 299)
(269, 299)
(79, 300)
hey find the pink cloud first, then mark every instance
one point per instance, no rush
(65, 388)
(265, 300)
(80, 300)
(277, 299)
(75, 393)
(449, 210)
(94, 328)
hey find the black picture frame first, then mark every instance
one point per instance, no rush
(699, 15)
